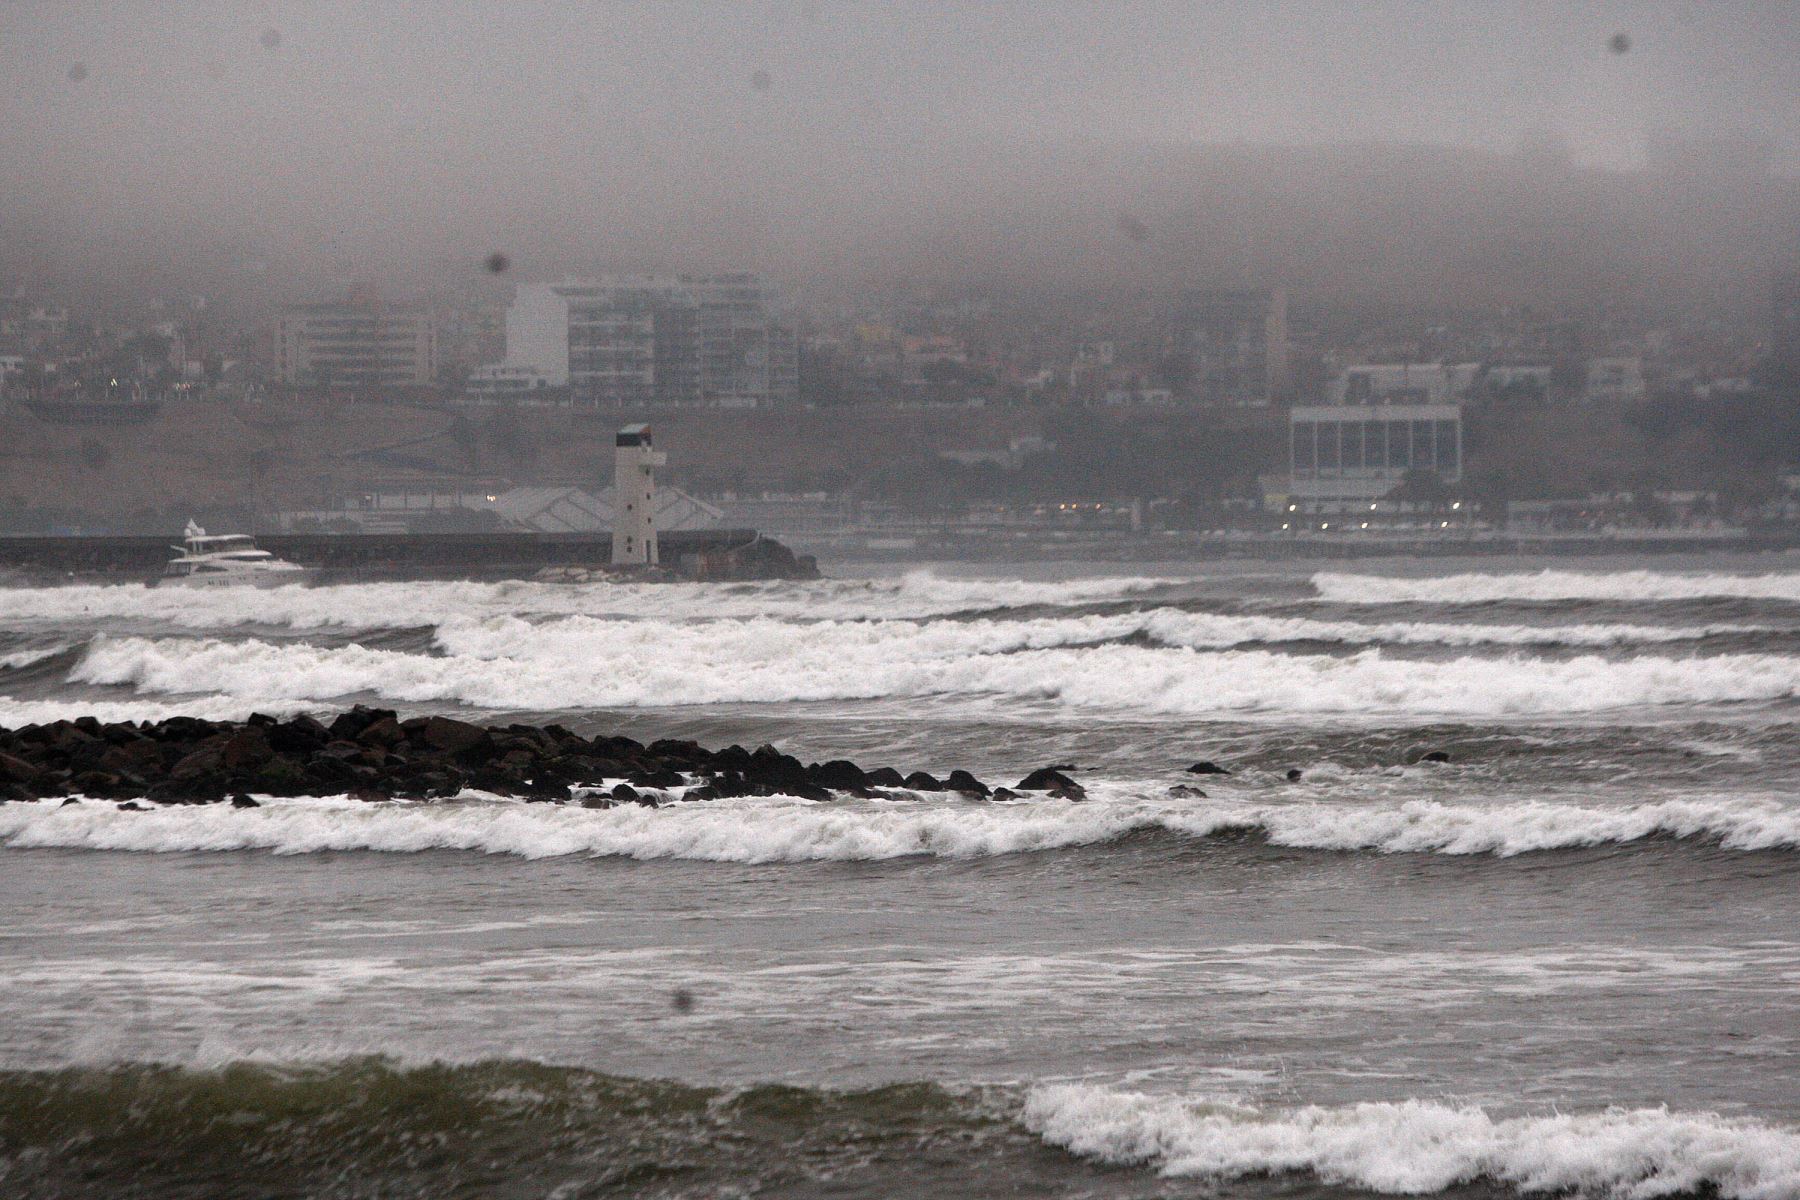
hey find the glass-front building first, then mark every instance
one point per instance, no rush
(1364, 450)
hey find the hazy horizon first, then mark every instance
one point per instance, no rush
(280, 152)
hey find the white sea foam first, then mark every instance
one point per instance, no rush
(1554, 585)
(506, 663)
(370, 605)
(777, 830)
(1418, 1147)
(15, 713)
(35, 654)
(512, 637)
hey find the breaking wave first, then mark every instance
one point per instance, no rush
(506, 663)
(1549, 585)
(793, 831)
(370, 605)
(15, 713)
(1418, 1147)
(526, 1128)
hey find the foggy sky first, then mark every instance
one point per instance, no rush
(320, 141)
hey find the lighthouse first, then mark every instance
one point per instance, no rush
(634, 497)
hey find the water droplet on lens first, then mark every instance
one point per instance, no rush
(761, 81)
(682, 1001)
(1619, 43)
(78, 72)
(270, 38)
(497, 262)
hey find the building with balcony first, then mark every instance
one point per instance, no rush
(622, 340)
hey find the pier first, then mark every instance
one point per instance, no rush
(694, 554)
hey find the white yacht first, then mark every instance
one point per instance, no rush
(227, 560)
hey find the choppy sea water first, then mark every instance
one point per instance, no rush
(1567, 960)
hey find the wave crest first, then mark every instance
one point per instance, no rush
(1548, 585)
(511, 665)
(1417, 1147)
(793, 831)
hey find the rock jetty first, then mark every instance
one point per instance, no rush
(371, 753)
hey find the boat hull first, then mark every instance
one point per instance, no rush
(249, 579)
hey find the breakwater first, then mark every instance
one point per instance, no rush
(696, 554)
(372, 754)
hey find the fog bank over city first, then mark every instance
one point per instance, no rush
(1457, 153)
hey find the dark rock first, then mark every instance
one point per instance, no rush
(1003, 793)
(1045, 779)
(886, 777)
(1293, 775)
(384, 733)
(334, 773)
(205, 761)
(664, 778)
(537, 738)
(919, 781)
(1207, 767)
(770, 768)
(495, 779)
(243, 801)
(518, 760)
(624, 793)
(1183, 790)
(246, 750)
(962, 781)
(1433, 756)
(370, 795)
(302, 735)
(132, 806)
(730, 783)
(95, 783)
(450, 735)
(1072, 792)
(69, 801)
(732, 758)
(546, 787)
(281, 777)
(17, 770)
(596, 800)
(684, 752)
(840, 775)
(347, 725)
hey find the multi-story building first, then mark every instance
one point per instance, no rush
(1236, 340)
(637, 339)
(1354, 453)
(355, 343)
(1403, 383)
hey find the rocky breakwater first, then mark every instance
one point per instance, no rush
(372, 754)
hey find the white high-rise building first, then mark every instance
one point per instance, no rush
(637, 339)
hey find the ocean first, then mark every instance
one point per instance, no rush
(1566, 960)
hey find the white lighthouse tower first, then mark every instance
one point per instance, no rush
(634, 498)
